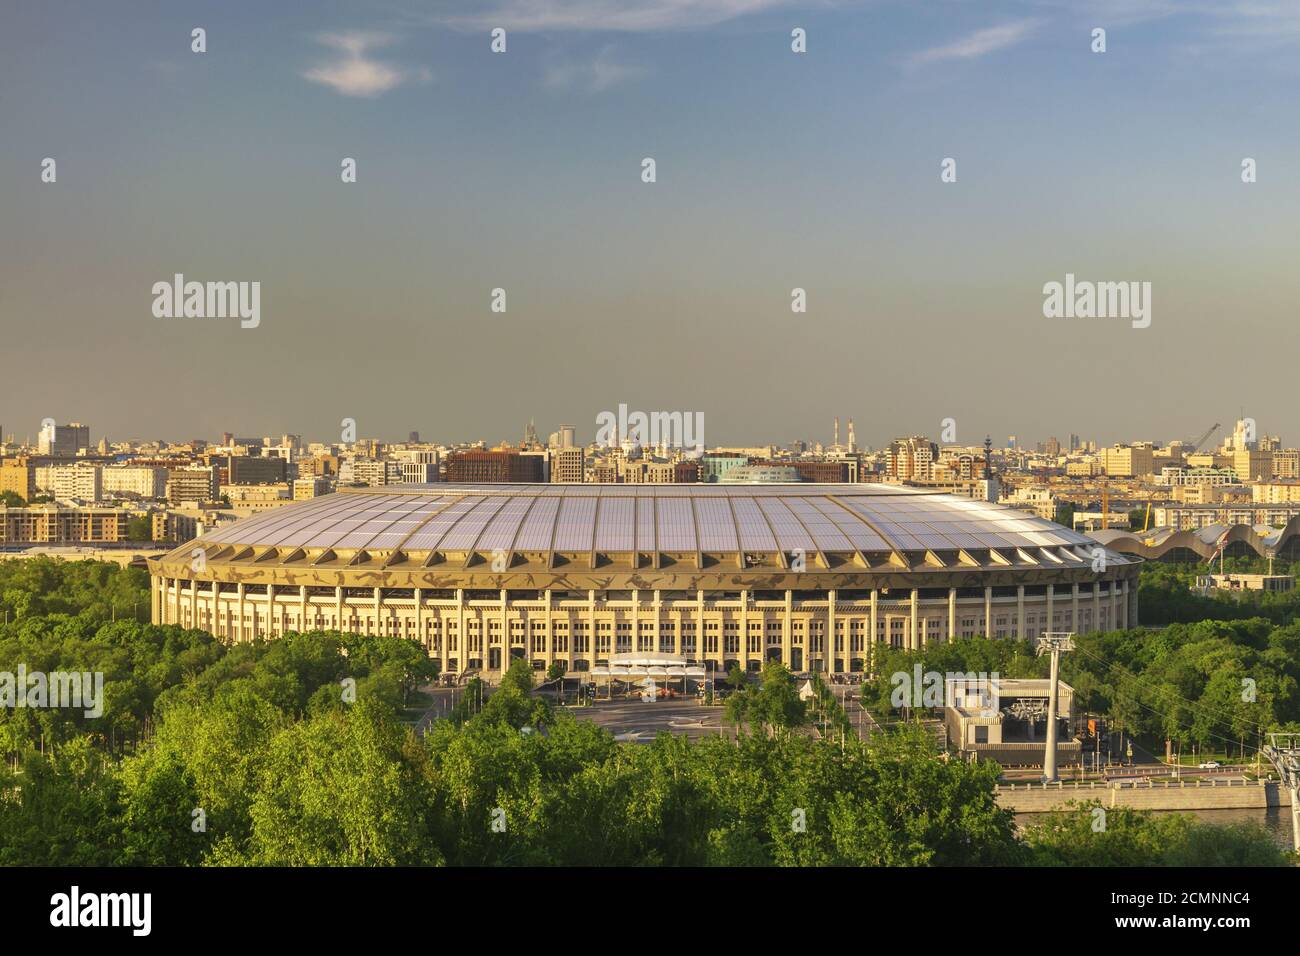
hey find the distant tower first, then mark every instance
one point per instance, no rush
(530, 435)
(836, 442)
(988, 457)
(853, 441)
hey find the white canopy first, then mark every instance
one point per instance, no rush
(664, 666)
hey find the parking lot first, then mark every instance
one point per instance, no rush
(639, 721)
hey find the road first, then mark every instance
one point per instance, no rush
(442, 700)
(847, 695)
(639, 721)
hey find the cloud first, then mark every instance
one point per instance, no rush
(589, 76)
(354, 72)
(608, 15)
(980, 43)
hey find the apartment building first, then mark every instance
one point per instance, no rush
(567, 465)
(55, 524)
(140, 481)
(19, 476)
(192, 484)
(80, 482)
(1128, 461)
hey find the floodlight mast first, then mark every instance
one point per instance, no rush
(1053, 642)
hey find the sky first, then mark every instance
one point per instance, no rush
(775, 170)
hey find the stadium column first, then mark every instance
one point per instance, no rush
(952, 615)
(701, 638)
(194, 603)
(1051, 616)
(787, 656)
(548, 634)
(677, 632)
(569, 638)
(591, 628)
(338, 607)
(1074, 607)
(239, 610)
(461, 635)
(419, 620)
(1020, 612)
(915, 634)
(270, 611)
(847, 659)
(744, 631)
(828, 648)
(988, 612)
(444, 644)
(506, 636)
(215, 613)
(1123, 606)
(176, 600)
(302, 608)
(379, 611)
(1096, 605)
(658, 621)
(636, 621)
(875, 622)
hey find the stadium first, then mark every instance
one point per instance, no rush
(590, 575)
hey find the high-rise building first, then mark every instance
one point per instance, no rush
(80, 482)
(19, 476)
(1129, 461)
(64, 441)
(192, 484)
(912, 458)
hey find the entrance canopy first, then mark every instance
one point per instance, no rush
(661, 666)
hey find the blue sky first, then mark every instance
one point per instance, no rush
(775, 170)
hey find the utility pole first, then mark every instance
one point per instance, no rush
(1053, 642)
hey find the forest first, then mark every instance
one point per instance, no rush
(303, 751)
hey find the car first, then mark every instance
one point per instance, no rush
(1211, 765)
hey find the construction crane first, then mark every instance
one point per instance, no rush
(1204, 438)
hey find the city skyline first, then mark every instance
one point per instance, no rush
(522, 171)
(828, 437)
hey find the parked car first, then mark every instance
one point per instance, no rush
(1211, 765)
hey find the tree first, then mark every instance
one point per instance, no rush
(140, 528)
(341, 789)
(736, 678)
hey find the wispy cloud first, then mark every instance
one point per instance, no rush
(592, 75)
(978, 44)
(607, 15)
(354, 71)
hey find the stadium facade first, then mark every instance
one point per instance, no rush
(813, 575)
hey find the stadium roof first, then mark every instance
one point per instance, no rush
(873, 523)
(1264, 540)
